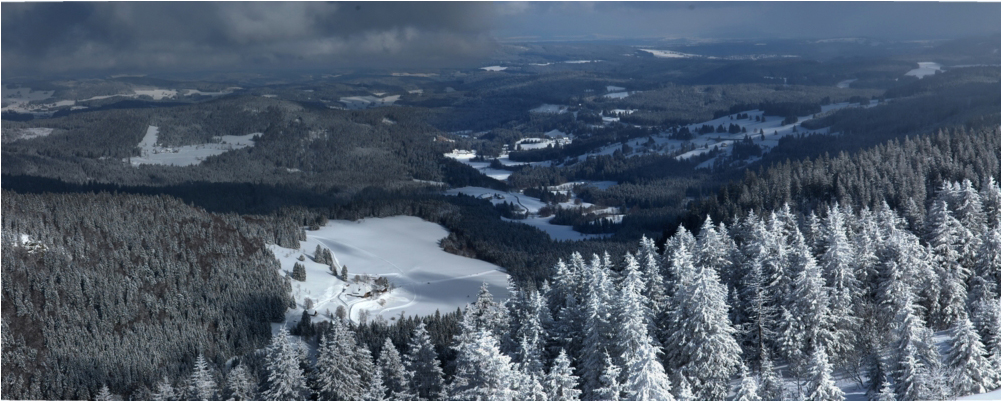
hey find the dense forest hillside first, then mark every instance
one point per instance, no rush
(123, 290)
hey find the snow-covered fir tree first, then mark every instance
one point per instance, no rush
(396, 379)
(609, 382)
(970, 371)
(422, 362)
(644, 377)
(846, 292)
(286, 380)
(561, 383)
(482, 371)
(771, 385)
(104, 394)
(164, 391)
(702, 343)
(820, 386)
(599, 331)
(201, 385)
(748, 389)
(337, 372)
(239, 384)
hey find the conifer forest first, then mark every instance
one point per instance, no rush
(500, 201)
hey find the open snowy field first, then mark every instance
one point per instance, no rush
(403, 249)
(549, 108)
(925, 69)
(368, 101)
(493, 68)
(771, 126)
(668, 54)
(845, 83)
(23, 134)
(185, 155)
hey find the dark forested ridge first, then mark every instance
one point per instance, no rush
(122, 290)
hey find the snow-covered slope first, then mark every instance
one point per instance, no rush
(403, 249)
(185, 155)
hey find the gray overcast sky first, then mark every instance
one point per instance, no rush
(149, 36)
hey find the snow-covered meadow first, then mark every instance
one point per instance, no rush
(368, 101)
(924, 69)
(153, 154)
(403, 249)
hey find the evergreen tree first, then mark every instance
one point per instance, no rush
(104, 394)
(239, 385)
(771, 384)
(423, 363)
(820, 384)
(562, 384)
(599, 332)
(748, 390)
(482, 371)
(609, 385)
(396, 379)
(945, 234)
(286, 380)
(375, 390)
(837, 266)
(201, 385)
(165, 391)
(702, 341)
(809, 302)
(645, 378)
(970, 371)
(887, 393)
(338, 377)
(914, 355)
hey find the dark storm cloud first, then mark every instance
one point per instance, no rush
(39, 38)
(58, 37)
(738, 20)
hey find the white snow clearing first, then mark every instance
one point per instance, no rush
(493, 68)
(403, 249)
(531, 207)
(549, 108)
(925, 69)
(185, 155)
(157, 94)
(368, 101)
(994, 396)
(613, 88)
(662, 143)
(669, 54)
(619, 95)
(24, 134)
(845, 83)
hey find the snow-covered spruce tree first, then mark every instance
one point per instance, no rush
(820, 384)
(673, 274)
(846, 291)
(369, 375)
(239, 384)
(761, 313)
(970, 371)
(395, 377)
(809, 303)
(887, 393)
(644, 377)
(944, 236)
(337, 374)
(482, 371)
(104, 394)
(714, 249)
(599, 332)
(771, 385)
(201, 385)
(529, 334)
(991, 201)
(561, 383)
(683, 390)
(609, 383)
(422, 362)
(702, 343)
(914, 356)
(375, 390)
(972, 215)
(164, 391)
(654, 283)
(748, 389)
(285, 377)
(487, 314)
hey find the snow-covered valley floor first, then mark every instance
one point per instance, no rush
(403, 249)
(185, 155)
